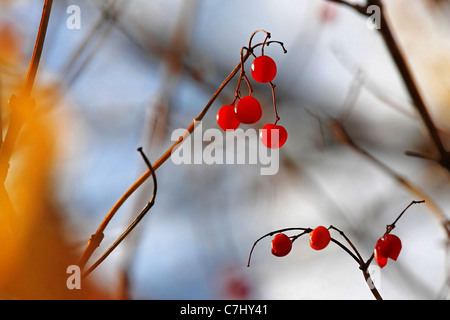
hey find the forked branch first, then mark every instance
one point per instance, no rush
(352, 251)
(141, 215)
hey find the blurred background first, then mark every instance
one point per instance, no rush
(136, 70)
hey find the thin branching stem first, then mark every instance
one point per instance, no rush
(141, 215)
(274, 100)
(357, 257)
(355, 254)
(36, 58)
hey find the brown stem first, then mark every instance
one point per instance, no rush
(34, 65)
(349, 242)
(133, 224)
(371, 284)
(277, 118)
(242, 76)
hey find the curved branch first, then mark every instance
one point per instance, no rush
(141, 215)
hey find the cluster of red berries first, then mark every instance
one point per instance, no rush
(319, 238)
(388, 246)
(248, 109)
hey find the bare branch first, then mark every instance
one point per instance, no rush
(134, 223)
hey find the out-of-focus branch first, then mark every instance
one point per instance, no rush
(21, 105)
(360, 8)
(36, 58)
(340, 134)
(406, 74)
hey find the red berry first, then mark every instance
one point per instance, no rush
(388, 246)
(281, 245)
(226, 118)
(248, 110)
(263, 69)
(273, 136)
(319, 238)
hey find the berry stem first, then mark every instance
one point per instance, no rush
(305, 231)
(253, 35)
(293, 238)
(265, 42)
(277, 118)
(359, 259)
(390, 227)
(346, 250)
(243, 76)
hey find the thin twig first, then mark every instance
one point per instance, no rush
(141, 215)
(36, 58)
(360, 259)
(274, 100)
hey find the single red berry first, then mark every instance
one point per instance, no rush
(281, 245)
(248, 110)
(273, 136)
(264, 69)
(319, 238)
(388, 246)
(226, 118)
